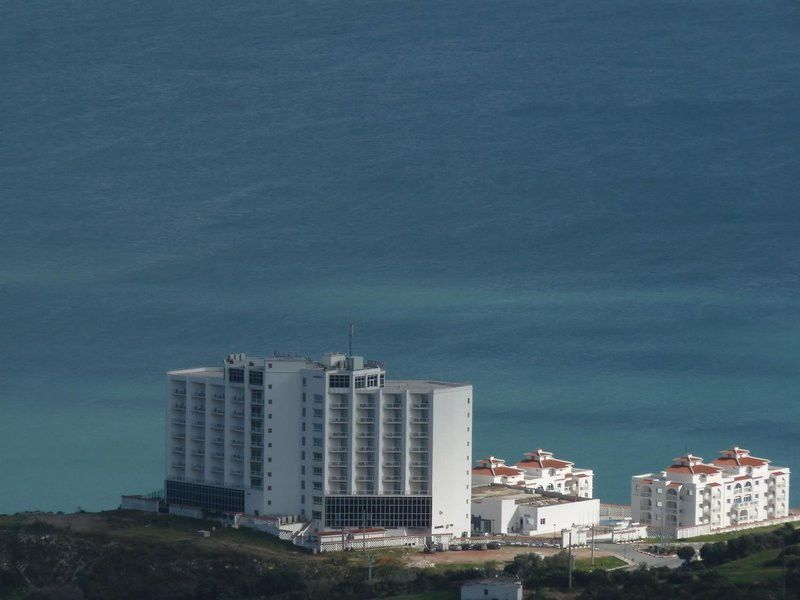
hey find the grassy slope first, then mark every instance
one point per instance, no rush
(721, 537)
(753, 568)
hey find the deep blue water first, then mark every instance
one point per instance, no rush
(587, 209)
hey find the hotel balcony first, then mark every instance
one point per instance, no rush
(419, 449)
(393, 421)
(199, 395)
(419, 463)
(392, 450)
(217, 426)
(340, 420)
(366, 420)
(420, 421)
(179, 422)
(178, 465)
(337, 465)
(392, 478)
(199, 452)
(237, 458)
(179, 435)
(393, 406)
(392, 434)
(197, 467)
(365, 463)
(420, 405)
(218, 455)
(366, 405)
(337, 478)
(419, 434)
(178, 450)
(391, 463)
(365, 435)
(198, 438)
(178, 392)
(238, 428)
(365, 478)
(338, 449)
(419, 479)
(217, 469)
(181, 407)
(200, 424)
(218, 396)
(256, 444)
(238, 399)
(337, 435)
(338, 405)
(237, 472)
(237, 443)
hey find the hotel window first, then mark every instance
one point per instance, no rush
(236, 375)
(318, 442)
(372, 381)
(317, 485)
(318, 398)
(317, 456)
(317, 470)
(542, 521)
(304, 396)
(318, 427)
(256, 377)
(317, 413)
(360, 381)
(339, 381)
(304, 380)
(317, 499)
(316, 514)
(383, 379)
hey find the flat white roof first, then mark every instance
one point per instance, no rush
(421, 385)
(199, 372)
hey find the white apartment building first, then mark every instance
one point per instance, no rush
(333, 443)
(736, 489)
(538, 470)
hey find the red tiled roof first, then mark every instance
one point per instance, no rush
(742, 461)
(675, 485)
(693, 469)
(777, 473)
(547, 463)
(715, 484)
(496, 471)
(741, 477)
(581, 475)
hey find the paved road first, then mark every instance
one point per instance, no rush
(629, 554)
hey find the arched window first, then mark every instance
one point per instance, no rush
(737, 489)
(551, 472)
(672, 492)
(550, 487)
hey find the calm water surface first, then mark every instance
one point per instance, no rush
(587, 209)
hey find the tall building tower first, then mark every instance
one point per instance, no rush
(331, 442)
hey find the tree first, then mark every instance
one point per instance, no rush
(686, 554)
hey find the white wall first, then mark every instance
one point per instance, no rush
(451, 458)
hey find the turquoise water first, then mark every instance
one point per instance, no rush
(588, 210)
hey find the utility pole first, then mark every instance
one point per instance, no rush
(569, 554)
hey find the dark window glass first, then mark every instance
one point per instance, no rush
(256, 377)
(236, 375)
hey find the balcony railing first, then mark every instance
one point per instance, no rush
(366, 420)
(420, 405)
(391, 463)
(200, 424)
(218, 455)
(419, 479)
(197, 467)
(238, 399)
(419, 449)
(392, 434)
(366, 449)
(392, 450)
(237, 458)
(337, 465)
(237, 443)
(340, 420)
(179, 422)
(179, 392)
(179, 435)
(199, 395)
(393, 406)
(420, 421)
(217, 426)
(178, 465)
(337, 434)
(419, 434)
(419, 463)
(365, 434)
(365, 463)
(365, 478)
(391, 478)
(178, 450)
(336, 478)
(339, 406)
(338, 449)
(181, 407)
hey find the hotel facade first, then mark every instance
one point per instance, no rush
(736, 489)
(331, 442)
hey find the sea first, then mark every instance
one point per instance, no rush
(588, 210)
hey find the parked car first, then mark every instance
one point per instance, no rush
(466, 547)
(493, 545)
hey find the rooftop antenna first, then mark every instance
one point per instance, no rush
(352, 330)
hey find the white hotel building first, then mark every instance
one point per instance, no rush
(333, 443)
(737, 489)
